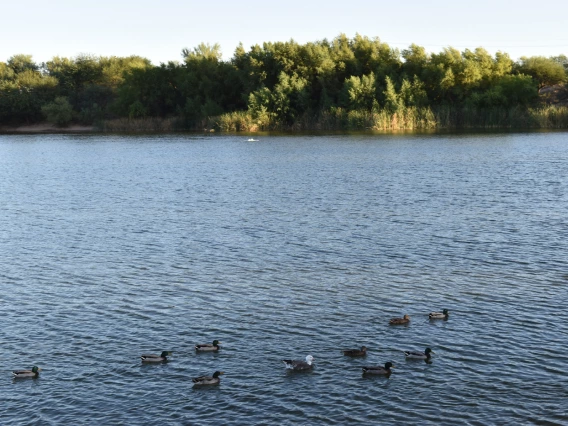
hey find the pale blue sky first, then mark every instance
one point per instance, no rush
(158, 30)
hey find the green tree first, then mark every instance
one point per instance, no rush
(20, 63)
(207, 85)
(393, 102)
(290, 98)
(562, 60)
(58, 112)
(204, 51)
(155, 88)
(415, 60)
(413, 93)
(260, 106)
(502, 65)
(359, 92)
(545, 71)
(23, 90)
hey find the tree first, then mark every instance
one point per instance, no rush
(155, 88)
(359, 92)
(58, 112)
(545, 71)
(208, 85)
(20, 63)
(260, 105)
(562, 60)
(203, 51)
(413, 93)
(23, 90)
(393, 102)
(415, 60)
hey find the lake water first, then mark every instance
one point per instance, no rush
(114, 246)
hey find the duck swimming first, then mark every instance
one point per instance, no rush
(356, 352)
(377, 370)
(208, 347)
(398, 321)
(439, 315)
(419, 355)
(24, 374)
(296, 365)
(155, 358)
(207, 380)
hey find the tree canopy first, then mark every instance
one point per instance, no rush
(282, 81)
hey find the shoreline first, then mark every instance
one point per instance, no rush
(46, 128)
(163, 126)
(90, 130)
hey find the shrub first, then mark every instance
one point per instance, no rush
(58, 112)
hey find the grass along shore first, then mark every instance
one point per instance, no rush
(337, 119)
(546, 117)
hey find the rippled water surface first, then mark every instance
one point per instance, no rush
(113, 246)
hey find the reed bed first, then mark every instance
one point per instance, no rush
(409, 118)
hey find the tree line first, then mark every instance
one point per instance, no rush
(276, 85)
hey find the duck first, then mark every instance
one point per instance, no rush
(155, 358)
(397, 321)
(419, 355)
(356, 352)
(208, 380)
(439, 315)
(24, 374)
(297, 365)
(378, 370)
(208, 347)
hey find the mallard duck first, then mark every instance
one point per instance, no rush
(299, 365)
(207, 380)
(419, 355)
(384, 371)
(208, 347)
(23, 374)
(439, 315)
(397, 321)
(356, 352)
(155, 358)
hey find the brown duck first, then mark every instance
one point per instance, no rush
(356, 352)
(398, 321)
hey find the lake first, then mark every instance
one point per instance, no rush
(114, 246)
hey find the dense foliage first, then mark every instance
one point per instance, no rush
(282, 84)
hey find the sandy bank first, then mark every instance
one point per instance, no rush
(46, 128)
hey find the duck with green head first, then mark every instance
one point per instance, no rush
(208, 380)
(163, 357)
(25, 374)
(426, 355)
(439, 315)
(378, 370)
(208, 347)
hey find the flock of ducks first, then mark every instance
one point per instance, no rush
(291, 364)
(385, 370)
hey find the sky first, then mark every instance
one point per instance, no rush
(159, 30)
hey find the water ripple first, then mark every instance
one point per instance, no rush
(116, 246)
